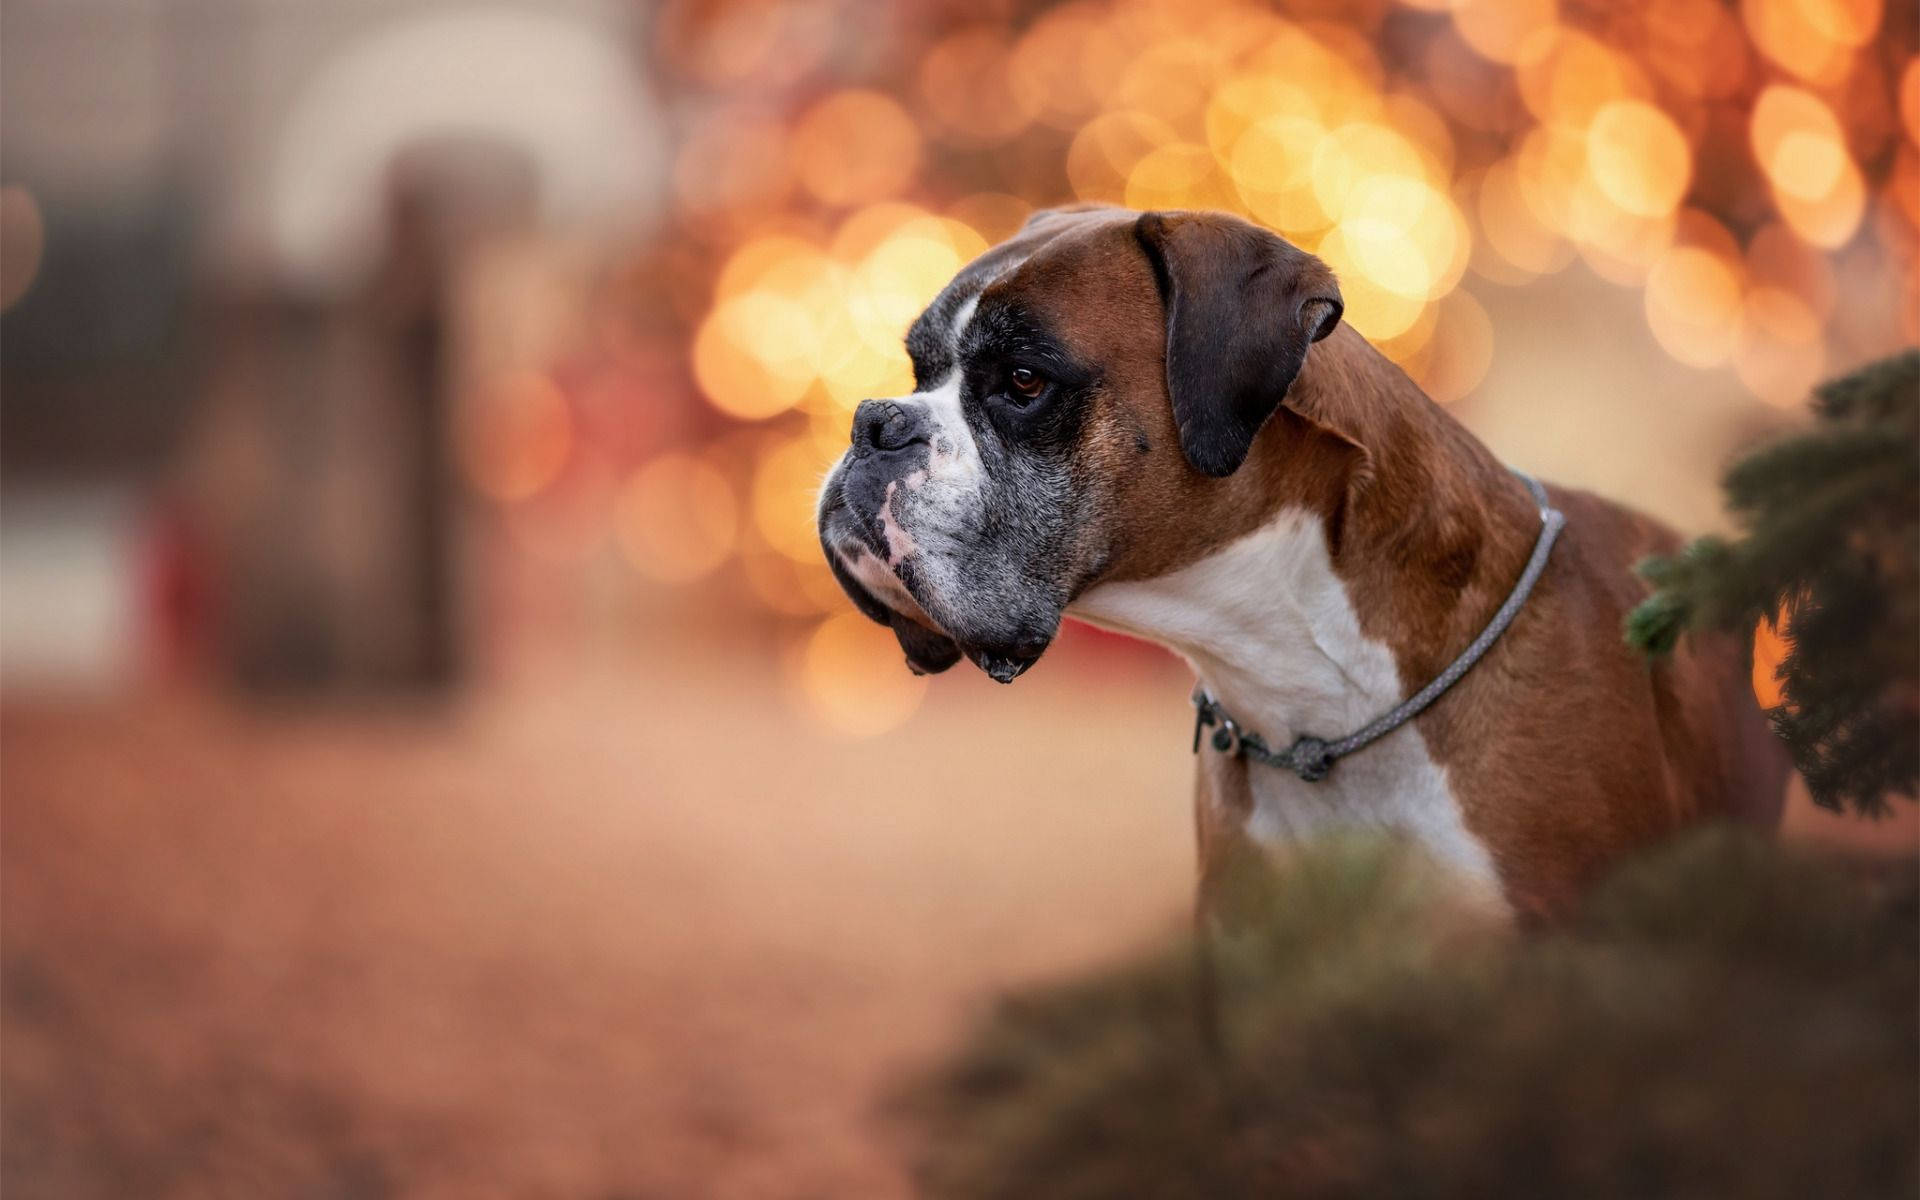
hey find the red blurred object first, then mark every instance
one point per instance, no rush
(177, 594)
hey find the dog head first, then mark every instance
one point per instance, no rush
(1087, 396)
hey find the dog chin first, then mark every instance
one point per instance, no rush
(931, 646)
(883, 599)
(892, 597)
(1002, 653)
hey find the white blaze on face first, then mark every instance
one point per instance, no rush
(953, 476)
(955, 458)
(937, 496)
(899, 545)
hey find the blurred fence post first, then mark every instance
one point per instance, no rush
(334, 498)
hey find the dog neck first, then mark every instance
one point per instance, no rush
(1334, 606)
(1267, 626)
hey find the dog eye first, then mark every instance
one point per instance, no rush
(1026, 385)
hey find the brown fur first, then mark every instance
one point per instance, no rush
(1565, 748)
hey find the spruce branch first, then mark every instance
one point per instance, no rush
(1831, 546)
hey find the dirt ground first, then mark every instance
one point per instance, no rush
(637, 931)
(630, 930)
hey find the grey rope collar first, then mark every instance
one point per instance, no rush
(1311, 758)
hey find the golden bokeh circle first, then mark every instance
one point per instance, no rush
(964, 81)
(1693, 305)
(517, 436)
(856, 147)
(1639, 158)
(753, 355)
(676, 518)
(786, 485)
(854, 679)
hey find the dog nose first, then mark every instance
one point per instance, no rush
(889, 425)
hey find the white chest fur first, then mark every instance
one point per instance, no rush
(1268, 628)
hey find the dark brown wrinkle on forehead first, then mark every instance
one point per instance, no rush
(929, 340)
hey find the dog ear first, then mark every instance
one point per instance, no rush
(928, 651)
(1242, 306)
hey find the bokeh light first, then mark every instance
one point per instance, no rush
(850, 675)
(1813, 39)
(966, 84)
(1717, 158)
(1694, 293)
(676, 518)
(1499, 28)
(1299, 124)
(1770, 648)
(785, 482)
(854, 147)
(1802, 150)
(519, 436)
(1639, 157)
(734, 165)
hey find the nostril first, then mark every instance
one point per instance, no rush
(887, 425)
(899, 432)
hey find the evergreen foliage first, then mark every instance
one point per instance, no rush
(1832, 546)
(1727, 1017)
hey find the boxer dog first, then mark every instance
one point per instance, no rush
(1157, 423)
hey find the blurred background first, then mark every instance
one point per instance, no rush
(436, 760)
